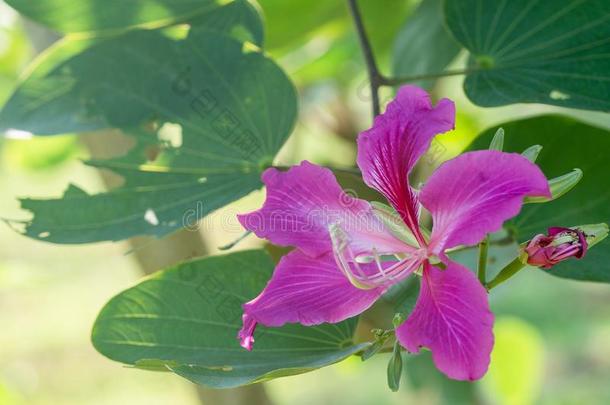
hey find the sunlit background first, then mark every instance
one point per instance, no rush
(552, 335)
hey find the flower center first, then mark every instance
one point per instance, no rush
(372, 269)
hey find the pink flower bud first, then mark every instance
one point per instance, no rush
(561, 243)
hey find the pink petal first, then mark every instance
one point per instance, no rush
(388, 151)
(306, 290)
(452, 319)
(474, 194)
(301, 204)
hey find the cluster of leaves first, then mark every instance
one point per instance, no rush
(208, 110)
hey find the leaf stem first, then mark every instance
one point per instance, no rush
(385, 349)
(232, 244)
(482, 269)
(507, 272)
(375, 78)
(396, 81)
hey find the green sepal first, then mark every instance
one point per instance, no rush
(395, 368)
(532, 153)
(381, 338)
(558, 186)
(497, 143)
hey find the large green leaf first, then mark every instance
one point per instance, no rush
(238, 19)
(566, 144)
(553, 52)
(233, 107)
(424, 45)
(102, 15)
(185, 319)
(63, 88)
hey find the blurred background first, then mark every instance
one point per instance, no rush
(552, 334)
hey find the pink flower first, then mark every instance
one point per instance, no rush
(560, 244)
(340, 265)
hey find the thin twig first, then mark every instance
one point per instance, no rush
(397, 81)
(387, 349)
(482, 270)
(507, 272)
(232, 244)
(369, 58)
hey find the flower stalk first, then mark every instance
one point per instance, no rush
(482, 268)
(507, 272)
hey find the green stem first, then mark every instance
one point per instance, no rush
(397, 81)
(507, 272)
(232, 244)
(482, 269)
(386, 349)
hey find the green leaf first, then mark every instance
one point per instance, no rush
(523, 51)
(566, 143)
(75, 84)
(238, 19)
(423, 44)
(108, 15)
(208, 113)
(185, 319)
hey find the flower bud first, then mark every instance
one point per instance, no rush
(559, 244)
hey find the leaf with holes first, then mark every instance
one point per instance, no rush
(207, 111)
(566, 144)
(185, 319)
(524, 51)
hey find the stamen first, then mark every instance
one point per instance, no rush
(564, 238)
(350, 264)
(246, 333)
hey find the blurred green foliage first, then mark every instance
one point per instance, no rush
(517, 368)
(41, 153)
(555, 352)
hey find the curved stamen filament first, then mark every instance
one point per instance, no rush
(350, 264)
(567, 252)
